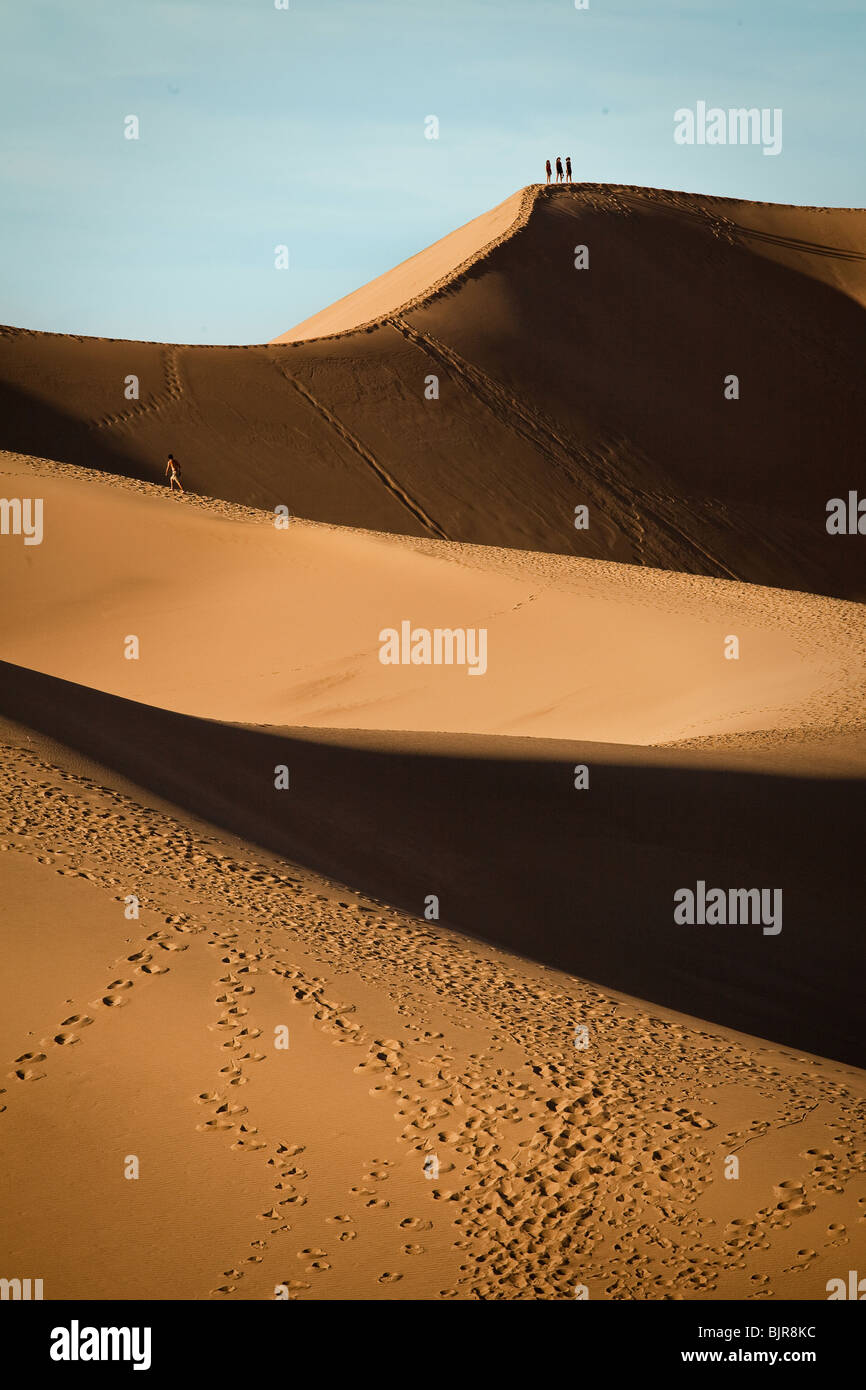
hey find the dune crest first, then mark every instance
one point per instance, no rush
(419, 277)
(654, 406)
(799, 237)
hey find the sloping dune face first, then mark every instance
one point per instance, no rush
(573, 349)
(238, 619)
(420, 276)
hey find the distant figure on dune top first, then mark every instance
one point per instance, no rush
(548, 170)
(558, 169)
(568, 168)
(172, 469)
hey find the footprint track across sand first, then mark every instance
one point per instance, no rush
(115, 994)
(235, 994)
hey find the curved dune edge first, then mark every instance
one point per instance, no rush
(765, 228)
(424, 275)
(238, 621)
(517, 856)
(765, 235)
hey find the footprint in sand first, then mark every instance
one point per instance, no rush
(27, 1067)
(414, 1223)
(234, 1077)
(389, 1278)
(114, 998)
(79, 1020)
(801, 1261)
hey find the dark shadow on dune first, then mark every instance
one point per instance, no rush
(637, 351)
(32, 425)
(583, 880)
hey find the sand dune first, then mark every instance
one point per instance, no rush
(515, 854)
(558, 388)
(308, 1172)
(824, 244)
(421, 275)
(587, 664)
(240, 621)
(371, 971)
(537, 1095)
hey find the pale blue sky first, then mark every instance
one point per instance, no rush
(306, 127)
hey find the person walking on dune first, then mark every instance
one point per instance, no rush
(172, 469)
(568, 168)
(558, 169)
(548, 169)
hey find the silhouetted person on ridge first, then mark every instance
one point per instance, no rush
(547, 167)
(172, 469)
(558, 169)
(568, 168)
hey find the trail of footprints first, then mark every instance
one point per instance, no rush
(115, 994)
(551, 1170)
(227, 1117)
(156, 403)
